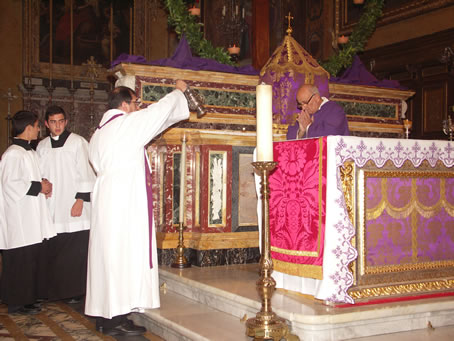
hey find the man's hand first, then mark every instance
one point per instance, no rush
(46, 188)
(181, 85)
(304, 120)
(76, 210)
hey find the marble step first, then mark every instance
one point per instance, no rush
(219, 296)
(183, 319)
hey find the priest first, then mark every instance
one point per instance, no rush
(318, 116)
(122, 257)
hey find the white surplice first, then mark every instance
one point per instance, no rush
(26, 217)
(119, 276)
(69, 171)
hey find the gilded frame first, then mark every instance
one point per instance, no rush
(33, 67)
(347, 14)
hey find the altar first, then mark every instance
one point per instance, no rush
(354, 219)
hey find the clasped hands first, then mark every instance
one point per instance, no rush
(46, 188)
(304, 120)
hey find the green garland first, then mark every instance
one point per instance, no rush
(373, 10)
(184, 23)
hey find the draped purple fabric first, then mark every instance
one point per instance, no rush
(357, 74)
(183, 59)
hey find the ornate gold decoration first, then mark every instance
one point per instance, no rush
(348, 185)
(300, 270)
(266, 324)
(347, 176)
(295, 60)
(402, 289)
(373, 270)
(414, 204)
(295, 252)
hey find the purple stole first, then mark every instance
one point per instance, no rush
(148, 186)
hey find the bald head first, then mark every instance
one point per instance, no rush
(308, 98)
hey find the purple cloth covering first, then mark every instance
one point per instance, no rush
(329, 120)
(357, 74)
(183, 59)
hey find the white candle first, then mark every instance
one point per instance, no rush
(264, 122)
(182, 177)
(243, 13)
(223, 11)
(236, 9)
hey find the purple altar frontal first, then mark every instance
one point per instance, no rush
(389, 229)
(400, 198)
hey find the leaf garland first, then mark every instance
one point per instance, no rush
(373, 10)
(185, 23)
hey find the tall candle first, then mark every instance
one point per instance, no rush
(264, 122)
(182, 177)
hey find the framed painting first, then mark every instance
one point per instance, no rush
(62, 36)
(348, 13)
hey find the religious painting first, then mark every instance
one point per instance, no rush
(244, 202)
(348, 13)
(217, 188)
(100, 28)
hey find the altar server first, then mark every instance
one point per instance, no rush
(64, 162)
(122, 257)
(26, 219)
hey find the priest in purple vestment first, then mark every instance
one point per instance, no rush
(318, 117)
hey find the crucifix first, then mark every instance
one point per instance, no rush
(289, 17)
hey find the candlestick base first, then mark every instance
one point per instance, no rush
(266, 324)
(180, 260)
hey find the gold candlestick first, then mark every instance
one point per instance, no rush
(266, 324)
(180, 260)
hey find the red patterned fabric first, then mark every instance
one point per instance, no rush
(298, 206)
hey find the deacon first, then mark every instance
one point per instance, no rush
(64, 162)
(122, 257)
(26, 219)
(318, 116)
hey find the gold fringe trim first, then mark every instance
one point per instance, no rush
(300, 270)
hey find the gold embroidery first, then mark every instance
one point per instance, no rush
(295, 252)
(413, 204)
(301, 270)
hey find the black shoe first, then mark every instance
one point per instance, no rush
(127, 328)
(29, 309)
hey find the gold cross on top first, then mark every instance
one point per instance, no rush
(289, 17)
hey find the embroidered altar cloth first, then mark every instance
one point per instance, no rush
(297, 207)
(338, 251)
